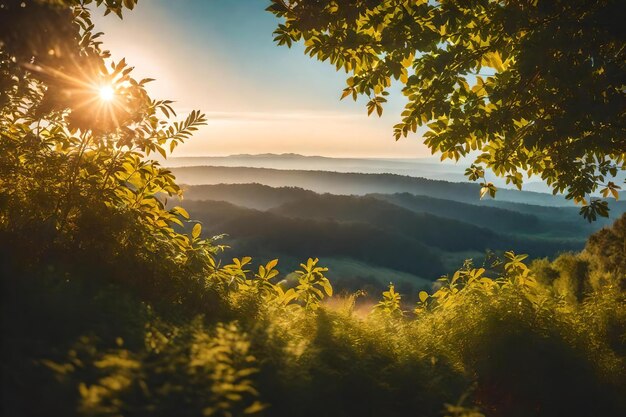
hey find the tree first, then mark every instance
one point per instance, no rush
(79, 194)
(606, 250)
(76, 135)
(533, 87)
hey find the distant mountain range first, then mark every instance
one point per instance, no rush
(510, 218)
(427, 167)
(358, 184)
(372, 220)
(418, 167)
(406, 238)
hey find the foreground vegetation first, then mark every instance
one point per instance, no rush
(110, 309)
(99, 334)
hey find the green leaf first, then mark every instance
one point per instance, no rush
(327, 287)
(195, 232)
(271, 264)
(255, 408)
(181, 211)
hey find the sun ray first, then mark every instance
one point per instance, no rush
(107, 93)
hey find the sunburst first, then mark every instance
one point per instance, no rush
(106, 93)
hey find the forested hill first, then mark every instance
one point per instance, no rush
(394, 234)
(271, 235)
(364, 230)
(436, 231)
(500, 216)
(256, 196)
(402, 233)
(429, 167)
(356, 183)
(507, 216)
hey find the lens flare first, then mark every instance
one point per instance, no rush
(107, 93)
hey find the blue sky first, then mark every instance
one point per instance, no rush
(218, 56)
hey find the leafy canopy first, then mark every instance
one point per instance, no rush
(74, 157)
(533, 87)
(76, 135)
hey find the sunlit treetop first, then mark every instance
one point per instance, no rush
(50, 47)
(535, 87)
(52, 68)
(77, 130)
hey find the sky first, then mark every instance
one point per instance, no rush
(218, 56)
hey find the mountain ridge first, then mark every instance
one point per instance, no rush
(355, 183)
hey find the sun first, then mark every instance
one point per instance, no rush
(107, 93)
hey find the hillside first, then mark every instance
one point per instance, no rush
(501, 217)
(416, 167)
(256, 196)
(270, 235)
(508, 217)
(426, 167)
(436, 231)
(355, 183)
(442, 233)
(365, 230)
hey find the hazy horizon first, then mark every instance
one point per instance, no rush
(307, 155)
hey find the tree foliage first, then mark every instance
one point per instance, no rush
(72, 158)
(531, 87)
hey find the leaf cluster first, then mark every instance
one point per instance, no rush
(526, 88)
